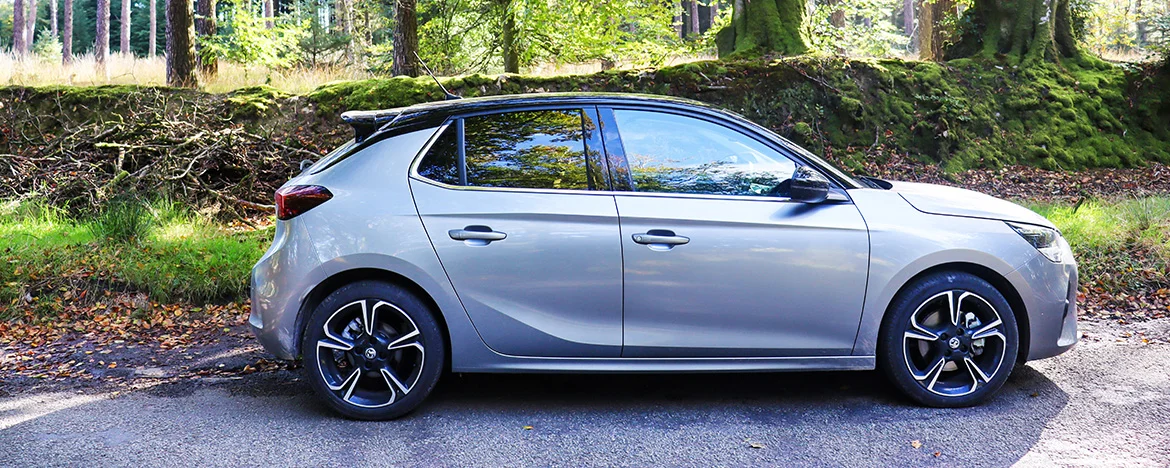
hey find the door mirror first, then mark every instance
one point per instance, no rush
(809, 186)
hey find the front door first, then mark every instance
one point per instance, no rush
(718, 262)
(528, 241)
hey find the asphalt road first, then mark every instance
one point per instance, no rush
(1105, 403)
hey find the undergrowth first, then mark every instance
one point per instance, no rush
(1122, 247)
(160, 249)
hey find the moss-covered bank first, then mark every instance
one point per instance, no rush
(962, 113)
(959, 114)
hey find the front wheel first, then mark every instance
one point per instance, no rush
(949, 340)
(372, 351)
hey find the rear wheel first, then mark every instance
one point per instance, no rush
(949, 340)
(373, 351)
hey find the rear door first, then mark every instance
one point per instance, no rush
(719, 262)
(514, 205)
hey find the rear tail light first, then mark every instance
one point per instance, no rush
(293, 200)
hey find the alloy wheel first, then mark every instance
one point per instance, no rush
(372, 353)
(954, 343)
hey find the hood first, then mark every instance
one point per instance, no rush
(953, 201)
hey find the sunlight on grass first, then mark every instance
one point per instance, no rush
(181, 257)
(1121, 246)
(131, 70)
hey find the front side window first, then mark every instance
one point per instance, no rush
(542, 149)
(677, 154)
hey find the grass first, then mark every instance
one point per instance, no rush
(1122, 246)
(171, 254)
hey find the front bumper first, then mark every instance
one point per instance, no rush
(1049, 293)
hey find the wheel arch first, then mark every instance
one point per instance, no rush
(1001, 284)
(334, 282)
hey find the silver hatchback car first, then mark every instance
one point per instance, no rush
(627, 233)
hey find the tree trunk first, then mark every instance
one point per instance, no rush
(1142, 26)
(53, 18)
(181, 44)
(766, 27)
(101, 47)
(932, 35)
(679, 29)
(124, 31)
(405, 39)
(908, 17)
(837, 15)
(205, 26)
(713, 11)
(152, 45)
(1019, 31)
(694, 17)
(345, 9)
(269, 13)
(19, 46)
(511, 55)
(67, 34)
(30, 19)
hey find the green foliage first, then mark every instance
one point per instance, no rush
(860, 35)
(461, 36)
(245, 38)
(123, 219)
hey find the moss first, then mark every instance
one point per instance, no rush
(959, 114)
(767, 26)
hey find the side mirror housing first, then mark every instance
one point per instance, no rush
(809, 186)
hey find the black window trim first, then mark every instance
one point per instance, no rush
(456, 120)
(837, 191)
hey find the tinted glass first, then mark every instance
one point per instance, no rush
(441, 162)
(530, 149)
(677, 154)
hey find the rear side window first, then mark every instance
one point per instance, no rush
(442, 162)
(543, 149)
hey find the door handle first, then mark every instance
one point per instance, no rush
(665, 238)
(483, 233)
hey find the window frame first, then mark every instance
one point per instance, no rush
(591, 141)
(623, 179)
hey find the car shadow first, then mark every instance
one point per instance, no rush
(836, 418)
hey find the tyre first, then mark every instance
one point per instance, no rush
(372, 351)
(948, 340)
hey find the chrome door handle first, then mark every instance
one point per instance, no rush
(647, 239)
(482, 233)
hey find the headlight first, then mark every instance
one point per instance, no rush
(1047, 241)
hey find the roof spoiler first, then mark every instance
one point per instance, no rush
(365, 123)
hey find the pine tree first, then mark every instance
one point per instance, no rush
(181, 44)
(102, 46)
(19, 46)
(124, 34)
(405, 39)
(151, 48)
(67, 34)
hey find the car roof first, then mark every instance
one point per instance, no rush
(369, 122)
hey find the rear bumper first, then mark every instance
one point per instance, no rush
(279, 288)
(1049, 293)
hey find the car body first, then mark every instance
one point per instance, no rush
(616, 247)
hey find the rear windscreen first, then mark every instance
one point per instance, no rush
(333, 156)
